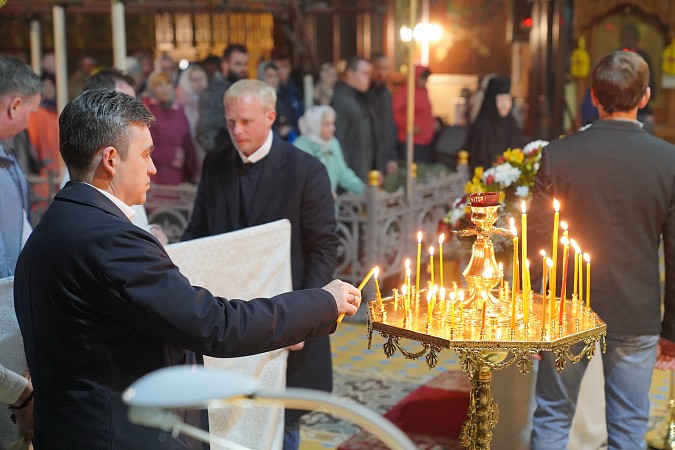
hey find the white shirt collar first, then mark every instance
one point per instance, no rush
(260, 153)
(126, 209)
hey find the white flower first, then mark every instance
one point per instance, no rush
(504, 174)
(535, 166)
(522, 191)
(529, 148)
(456, 215)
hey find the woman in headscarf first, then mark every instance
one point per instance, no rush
(317, 126)
(495, 128)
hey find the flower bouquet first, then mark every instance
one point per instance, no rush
(512, 175)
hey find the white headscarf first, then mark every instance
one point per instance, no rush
(310, 122)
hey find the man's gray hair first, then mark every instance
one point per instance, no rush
(16, 77)
(265, 93)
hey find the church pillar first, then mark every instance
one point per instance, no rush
(35, 46)
(119, 35)
(61, 57)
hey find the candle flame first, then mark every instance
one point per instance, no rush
(556, 204)
(442, 293)
(514, 232)
(441, 238)
(376, 272)
(564, 241)
(419, 237)
(431, 250)
(575, 245)
(542, 253)
(563, 225)
(587, 257)
(523, 207)
(501, 266)
(527, 263)
(484, 295)
(407, 272)
(549, 262)
(407, 263)
(452, 296)
(429, 296)
(461, 295)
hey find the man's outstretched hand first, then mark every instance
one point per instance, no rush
(347, 297)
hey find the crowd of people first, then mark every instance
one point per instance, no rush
(99, 302)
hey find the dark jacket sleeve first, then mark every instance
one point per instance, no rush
(146, 289)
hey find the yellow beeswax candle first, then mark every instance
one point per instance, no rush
(419, 255)
(378, 295)
(523, 244)
(563, 290)
(431, 263)
(441, 238)
(587, 257)
(543, 271)
(581, 277)
(526, 296)
(577, 253)
(554, 252)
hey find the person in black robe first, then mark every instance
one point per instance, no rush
(495, 128)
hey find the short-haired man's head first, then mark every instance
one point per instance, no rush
(239, 48)
(353, 63)
(108, 79)
(619, 81)
(265, 93)
(96, 119)
(17, 78)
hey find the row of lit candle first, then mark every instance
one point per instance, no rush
(549, 269)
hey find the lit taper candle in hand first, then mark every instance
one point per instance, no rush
(363, 283)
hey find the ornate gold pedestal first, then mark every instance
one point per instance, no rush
(484, 349)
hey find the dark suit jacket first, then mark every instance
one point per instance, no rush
(616, 186)
(295, 186)
(100, 304)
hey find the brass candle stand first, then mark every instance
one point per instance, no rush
(663, 436)
(481, 325)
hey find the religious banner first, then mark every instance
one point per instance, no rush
(245, 264)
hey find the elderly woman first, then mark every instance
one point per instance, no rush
(317, 126)
(174, 155)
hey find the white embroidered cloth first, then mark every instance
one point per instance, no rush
(12, 357)
(254, 262)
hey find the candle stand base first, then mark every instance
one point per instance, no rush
(663, 436)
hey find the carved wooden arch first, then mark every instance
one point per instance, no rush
(661, 12)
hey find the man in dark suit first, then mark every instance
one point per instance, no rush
(257, 179)
(100, 303)
(616, 186)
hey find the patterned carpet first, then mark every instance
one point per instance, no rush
(368, 377)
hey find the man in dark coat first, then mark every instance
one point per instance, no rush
(382, 101)
(356, 121)
(616, 187)
(211, 130)
(100, 303)
(260, 178)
